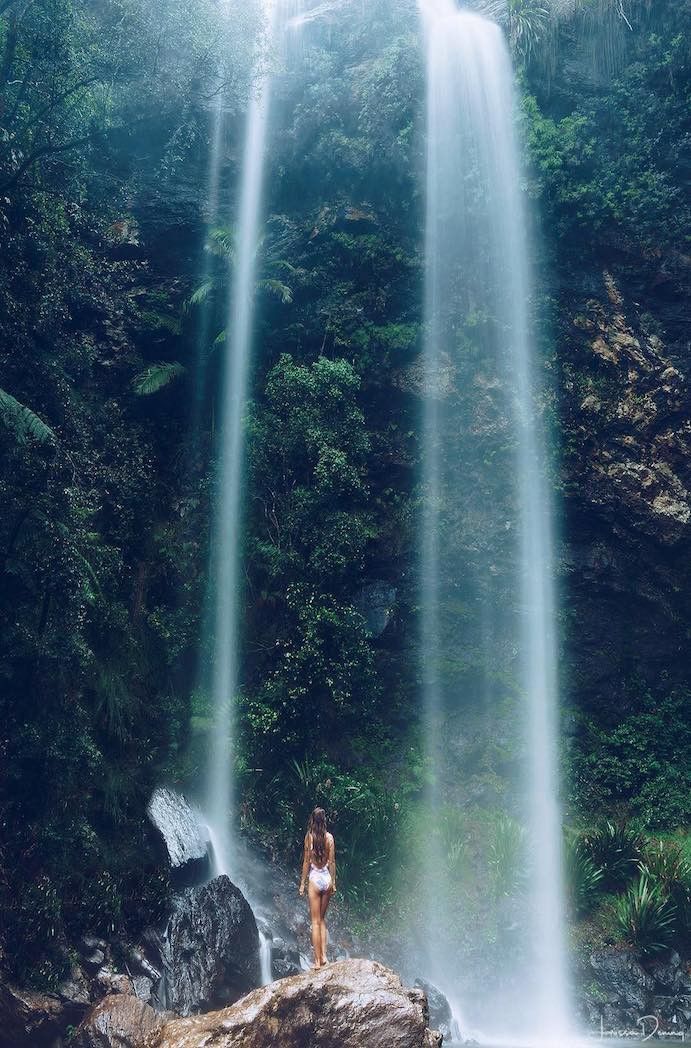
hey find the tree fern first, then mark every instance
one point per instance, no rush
(155, 377)
(23, 422)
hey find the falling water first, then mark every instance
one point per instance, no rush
(265, 946)
(484, 455)
(227, 550)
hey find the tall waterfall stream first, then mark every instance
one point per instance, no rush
(479, 347)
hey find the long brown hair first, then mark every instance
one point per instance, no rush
(317, 828)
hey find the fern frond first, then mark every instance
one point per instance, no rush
(160, 321)
(23, 422)
(202, 293)
(277, 288)
(155, 377)
(221, 242)
(281, 263)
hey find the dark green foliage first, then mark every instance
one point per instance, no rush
(627, 179)
(310, 538)
(583, 876)
(643, 760)
(646, 917)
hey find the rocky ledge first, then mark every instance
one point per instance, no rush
(346, 1005)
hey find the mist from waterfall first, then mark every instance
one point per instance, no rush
(226, 558)
(485, 466)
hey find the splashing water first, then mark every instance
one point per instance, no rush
(485, 479)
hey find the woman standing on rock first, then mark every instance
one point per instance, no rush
(320, 859)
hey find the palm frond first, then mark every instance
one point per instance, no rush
(528, 21)
(155, 377)
(23, 422)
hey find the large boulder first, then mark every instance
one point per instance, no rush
(28, 1019)
(210, 949)
(184, 834)
(345, 1005)
(623, 980)
(118, 1021)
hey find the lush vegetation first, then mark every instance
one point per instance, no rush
(109, 366)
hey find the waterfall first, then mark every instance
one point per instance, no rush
(226, 559)
(485, 481)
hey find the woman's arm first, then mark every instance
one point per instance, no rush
(305, 865)
(332, 863)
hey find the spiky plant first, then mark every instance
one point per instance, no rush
(506, 857)
(583, 876)
(646, 917)
(666, 866)
(616, 850)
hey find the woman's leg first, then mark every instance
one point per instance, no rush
(316, 919)
(323, 907)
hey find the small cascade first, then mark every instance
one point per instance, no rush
(487, 562)
(265, 947)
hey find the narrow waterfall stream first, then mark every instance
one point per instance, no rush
(227, 548)
(488, 604)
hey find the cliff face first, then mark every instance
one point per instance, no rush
(627, 468)
(606, 128)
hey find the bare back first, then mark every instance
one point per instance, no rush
(330, 849)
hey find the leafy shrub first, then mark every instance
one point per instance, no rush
(642, 761)
(615, 850)
(645, 917)
(583, 876)
(665, 865)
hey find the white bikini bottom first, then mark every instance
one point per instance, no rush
(321, 879)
